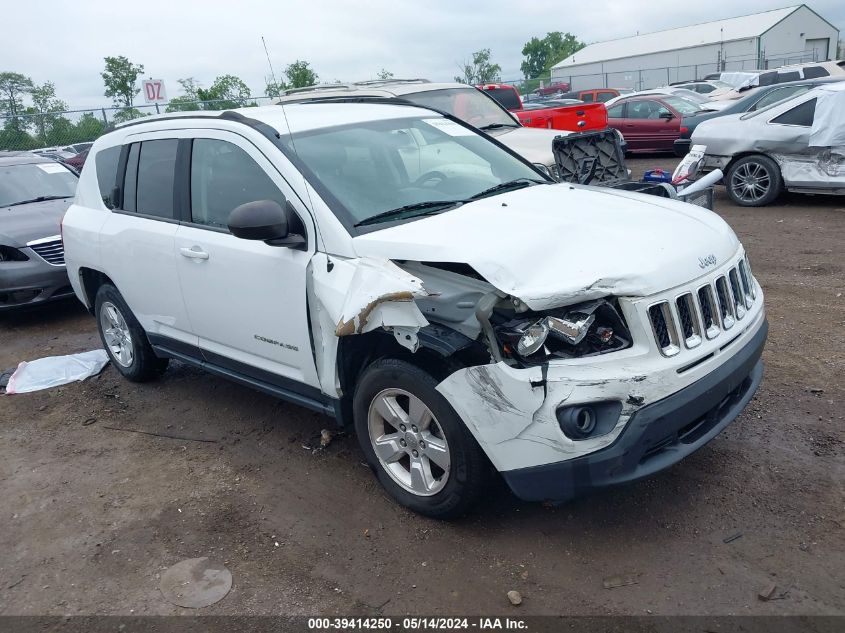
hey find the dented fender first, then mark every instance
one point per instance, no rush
(354, 296)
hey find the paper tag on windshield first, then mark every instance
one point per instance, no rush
(51, 168)
(449, 127)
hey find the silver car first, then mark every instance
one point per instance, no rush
(35, 192)
(794, 145)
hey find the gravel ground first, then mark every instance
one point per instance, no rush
(93, 513)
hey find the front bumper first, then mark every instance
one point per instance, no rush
(657, 436)
(32, 282)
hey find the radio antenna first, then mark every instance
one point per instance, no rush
(269, 63)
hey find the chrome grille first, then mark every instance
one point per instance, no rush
(703, 312)
(50, 249)
(663, 326)
(726, 306)
(738, 299)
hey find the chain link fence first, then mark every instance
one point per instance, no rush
(55, 133)
(647, 78)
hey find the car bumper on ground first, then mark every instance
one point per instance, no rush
(32, 282)
(657, 436)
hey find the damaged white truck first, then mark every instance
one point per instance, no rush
(393, 267)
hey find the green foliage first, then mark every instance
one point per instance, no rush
(12, 88)
(13, 136)
(88, 128)
(275, 88)
(186, 102)
(541, 54)
(227, 92)
(120, 78)
(300, 75)
(127, 114)
(45, 104)
(480, 70)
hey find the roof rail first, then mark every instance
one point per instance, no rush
(317, 87)
(187, 114)
(384, 82)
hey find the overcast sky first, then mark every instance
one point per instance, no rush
(65, 42)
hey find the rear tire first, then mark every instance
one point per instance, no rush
(754, 181)
(427, 459)
(124, 339)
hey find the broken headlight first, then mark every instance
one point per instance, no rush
(586, 329)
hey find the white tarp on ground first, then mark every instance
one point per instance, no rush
(53, 371)
(829, 121)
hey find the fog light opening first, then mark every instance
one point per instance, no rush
(585, 420)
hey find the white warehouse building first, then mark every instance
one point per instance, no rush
(762, 40)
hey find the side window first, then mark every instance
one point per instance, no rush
(799, 115)
(587, 97)
(792, 75)
(130, 179)
(223, 176)
(156, 173)
(778, 95)
(106, 162)
(811, 72)
(615, 112)
(643, 109)
(606, 95)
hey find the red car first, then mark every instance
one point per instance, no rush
(574, 118)
(552, 89)
(651, 123)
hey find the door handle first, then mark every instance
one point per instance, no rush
(195, 252)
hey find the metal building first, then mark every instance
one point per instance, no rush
(762, 40)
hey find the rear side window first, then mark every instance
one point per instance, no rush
(106, 162)
(156, 173)
(799, 115)
(223, 176)
(587, 97)
(811, 72)
(615, 112)
(779, 95)
(606, 95)
(792, 75)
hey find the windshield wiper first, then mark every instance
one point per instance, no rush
(518, 183)
(38, 199)
(410, 211)
(495, 126)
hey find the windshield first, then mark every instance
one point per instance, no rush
(367, 169)
(19, 183)
(683, 105)
(467, 104)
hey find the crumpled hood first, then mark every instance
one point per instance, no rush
(533, 144)
(27, 222)
(553, 245)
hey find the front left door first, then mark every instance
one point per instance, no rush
(246, 299)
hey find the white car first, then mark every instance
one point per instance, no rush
(469, 104)
(397, 269)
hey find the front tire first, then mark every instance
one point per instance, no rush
(754, 181)
(124, 339)
(421, 451)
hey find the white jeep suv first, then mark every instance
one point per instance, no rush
(394, 268)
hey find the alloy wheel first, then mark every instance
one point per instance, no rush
(750, 182)
(409, 442)
(116, 334)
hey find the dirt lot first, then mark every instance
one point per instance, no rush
(91, 516)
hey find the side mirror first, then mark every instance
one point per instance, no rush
(263, 220)
(668, 116)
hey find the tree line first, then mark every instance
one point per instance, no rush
(41, 122)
